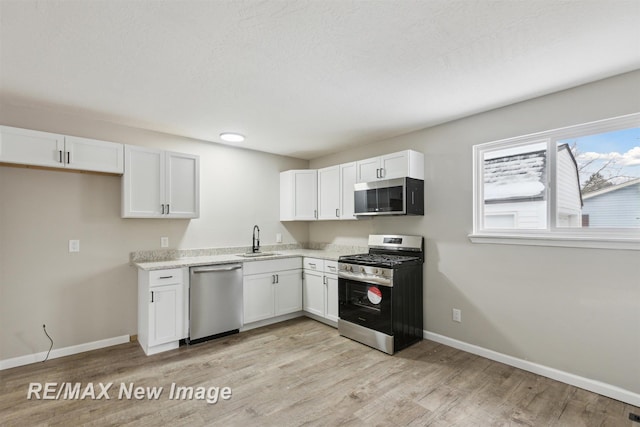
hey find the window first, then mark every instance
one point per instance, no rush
(575, 186)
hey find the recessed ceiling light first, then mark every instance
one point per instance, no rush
(231, 137)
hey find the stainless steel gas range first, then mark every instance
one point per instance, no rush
(380, 293)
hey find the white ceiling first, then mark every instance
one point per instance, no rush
(305, 78)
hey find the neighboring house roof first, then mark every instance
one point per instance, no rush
(515, 178)
(611, 189)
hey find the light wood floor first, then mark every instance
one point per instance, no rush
(302, 372)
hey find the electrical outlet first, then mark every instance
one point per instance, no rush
(74, 245)
(278, 237)
(457, 315)
(164, 242)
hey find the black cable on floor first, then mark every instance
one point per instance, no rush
(51, 346)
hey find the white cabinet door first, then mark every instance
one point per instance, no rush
(305, 195)
(368, 170)
(299, 195)
(395, 165)
(182, 180)
(159, 184)
(331, 309)
(165, 314)
(29, 147)
(288, 289)
(407, 163)
(94, 155)
(329, 193)
(347, 180)
(313, 290)
(258, 297)
(142, 183)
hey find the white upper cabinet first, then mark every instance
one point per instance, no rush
(368, 169)
(29, 147)
(159, 184)
(406, 163)
(347, 180)
(298, 195)
(329, 193)
(93, 155)
(335, 191)
(182, 187)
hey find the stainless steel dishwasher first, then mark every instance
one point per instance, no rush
(215, 301)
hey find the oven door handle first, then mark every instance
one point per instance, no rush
(374, 280)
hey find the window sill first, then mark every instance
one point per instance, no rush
(561, 240)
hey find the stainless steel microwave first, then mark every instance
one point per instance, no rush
(399, 196)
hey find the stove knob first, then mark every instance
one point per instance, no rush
(376, 271)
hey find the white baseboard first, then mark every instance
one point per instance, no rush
(61, 352)
(604, 389)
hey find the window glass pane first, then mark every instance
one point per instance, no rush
(515, 189)
(605, 168)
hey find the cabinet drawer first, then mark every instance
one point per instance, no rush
(331, 267)
(165, 277)
(270, 266)
(313, 264)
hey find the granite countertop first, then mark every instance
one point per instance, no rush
(331, 254)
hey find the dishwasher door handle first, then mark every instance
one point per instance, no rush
(210, 269)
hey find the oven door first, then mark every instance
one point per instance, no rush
(365, 304)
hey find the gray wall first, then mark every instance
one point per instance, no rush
(577, 310)
(91, 295)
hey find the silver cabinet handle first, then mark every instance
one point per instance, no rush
(168, 209)
(162, 208)
(381, 172)
(337, 213)
(312, 265)
(165, 277)
(151, 296)
(68, 157)
(315, 213)
(59, 156)
(377, 173)
(273, 279)
(331, 267)
(277, 278)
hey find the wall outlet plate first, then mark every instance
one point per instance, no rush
(164, 242)
(278, 237)
(74, 245)
(457, 315)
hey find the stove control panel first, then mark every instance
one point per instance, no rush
(365, 273)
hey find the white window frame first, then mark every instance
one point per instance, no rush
(606, 238)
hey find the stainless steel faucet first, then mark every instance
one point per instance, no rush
(255, 245)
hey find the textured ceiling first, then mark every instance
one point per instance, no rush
(305, 78)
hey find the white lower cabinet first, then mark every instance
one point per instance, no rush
(320, 289)
(161, 309)
(331, 312)
(271, 288)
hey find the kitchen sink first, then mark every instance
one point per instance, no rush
(257, 254)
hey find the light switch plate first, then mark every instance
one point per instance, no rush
(164, 242)
(278, 237)
(74, 245)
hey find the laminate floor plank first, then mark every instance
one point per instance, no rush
(302, 373)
